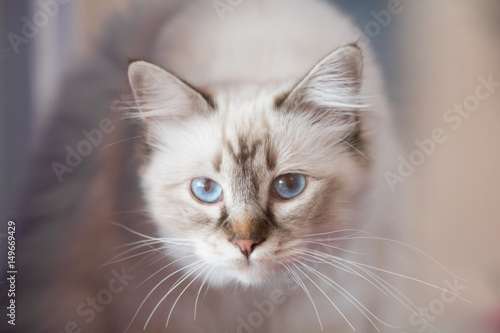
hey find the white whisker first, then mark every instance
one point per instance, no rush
(328, 298)
(121, 141)
(407, 303)
(182, 292)
(161, 269)
(199, 291)
(176, 284)
(141, 210)
(341, 266)
(329, 281)
(133, 255)
(153, 289)
(164, 256)
(303, 286)
(142, 241)
(356, 231)
(163, 240)
(405, 277)
(133, 231)
(356, 149)
(331, 246)
(373, 237)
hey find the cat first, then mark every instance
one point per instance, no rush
(242, 191)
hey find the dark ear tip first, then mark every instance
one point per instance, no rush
(355, 45)
(354, 57)
(354, 49)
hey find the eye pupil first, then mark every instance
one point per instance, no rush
(289, 185)
(207, 185)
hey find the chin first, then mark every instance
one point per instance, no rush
(249, 274)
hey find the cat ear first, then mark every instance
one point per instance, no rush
(333, 84)
(161, 95)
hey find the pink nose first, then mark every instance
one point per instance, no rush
(247, 245)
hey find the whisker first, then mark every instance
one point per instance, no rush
(199, 291)
(133, 231)
(331, 246)
(176, 284)
(303, 286)
(182, 292)
(164, 256)
(317, 256)
(141, 210)
(356, 231)
(373, 237)
(209, 283)
(162, 239)
(153, 289)
(164, 267)
(121, 141)
(342, 267)
(140, 261)
(173, 241)
(328, 298)
(149, 243)
(142, 241)
(328, 280)
(405, 277)
(145, 243)
(132, 256)
(356, 149)
(407, 303)
(321, 290)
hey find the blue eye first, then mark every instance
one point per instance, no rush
(290, 185)
(206, 189)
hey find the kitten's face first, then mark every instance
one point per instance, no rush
(245, 178)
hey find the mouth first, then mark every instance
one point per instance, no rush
(259, 270)
(255, 269)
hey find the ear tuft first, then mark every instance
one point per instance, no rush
(161, 95)
(334, 83)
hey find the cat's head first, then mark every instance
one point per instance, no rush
(244, 174)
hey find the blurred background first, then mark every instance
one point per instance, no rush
(435, 55)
